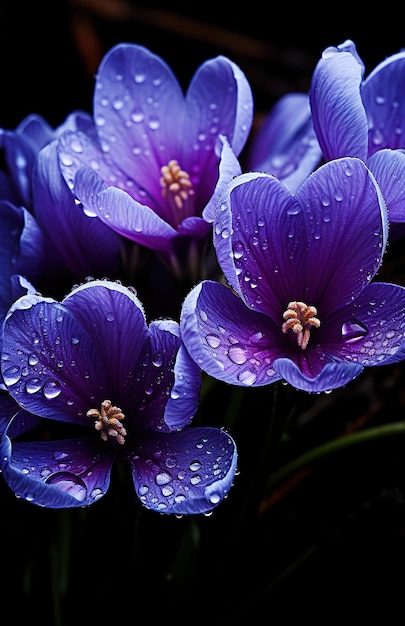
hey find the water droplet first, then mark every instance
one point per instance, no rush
(237, 354)
(33, 385)
(353, 331)
(163, 478)
(213, 341)
(12, 375)
(52, 389)
(195, 466)
(68, 483)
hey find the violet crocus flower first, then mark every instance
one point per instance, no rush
(302, 306)
(157, 159)
(130, 389)
(63, 240)
(363, 117)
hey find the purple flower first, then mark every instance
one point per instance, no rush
(302, 306)
(156, 159)
(285, 143)
(363, 117)
(61, 238)
(128, 390)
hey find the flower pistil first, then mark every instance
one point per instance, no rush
(108, 420)
(299, 317)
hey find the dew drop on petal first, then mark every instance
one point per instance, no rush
(68, 483)
(353, 331)
(52, 389)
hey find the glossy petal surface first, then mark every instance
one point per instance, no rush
(186, 472)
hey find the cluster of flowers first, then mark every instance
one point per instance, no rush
(298, 234)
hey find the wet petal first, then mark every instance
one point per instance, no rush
(77, 149)
(285, 144)
(371, 330)
(138, 106)
(382, 94)
(114, 319)
(219, 102)
(388, 166)
(332, 375)
(229, 167)
(338, 113)
(342, 254)
(56, 474)
(184, 473)
(226, 339)
(254, 243)
(49, 363)
(121, 213)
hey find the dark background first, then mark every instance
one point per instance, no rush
(50, 50)
(342, 524)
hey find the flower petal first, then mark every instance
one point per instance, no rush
(129, 79)
(382, 94)
(229, 168)
(87, 246)
(332, 375)
(371, 330)
(342, 254)
(285, 144)
(388, 166)
(180, 378)
(114, 319)
(253, 243)
(49, 363)
(338, 113)
(56, 474)
(219, 102)
(226, 339)
(121, 213)
(184, 473)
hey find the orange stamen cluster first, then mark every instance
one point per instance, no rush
(176, 182)
(108, 421)
(299, 318)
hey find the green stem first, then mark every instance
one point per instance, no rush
(336, 445)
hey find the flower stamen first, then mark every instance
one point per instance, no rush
(299, 317)
(108, 421)
(176, 183)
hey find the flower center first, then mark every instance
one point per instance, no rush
(299, 317)
(108, 421)
(176, 184)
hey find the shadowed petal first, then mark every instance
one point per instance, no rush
(388, 166)
(371, 330)
(383, 97)
(87, 246)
